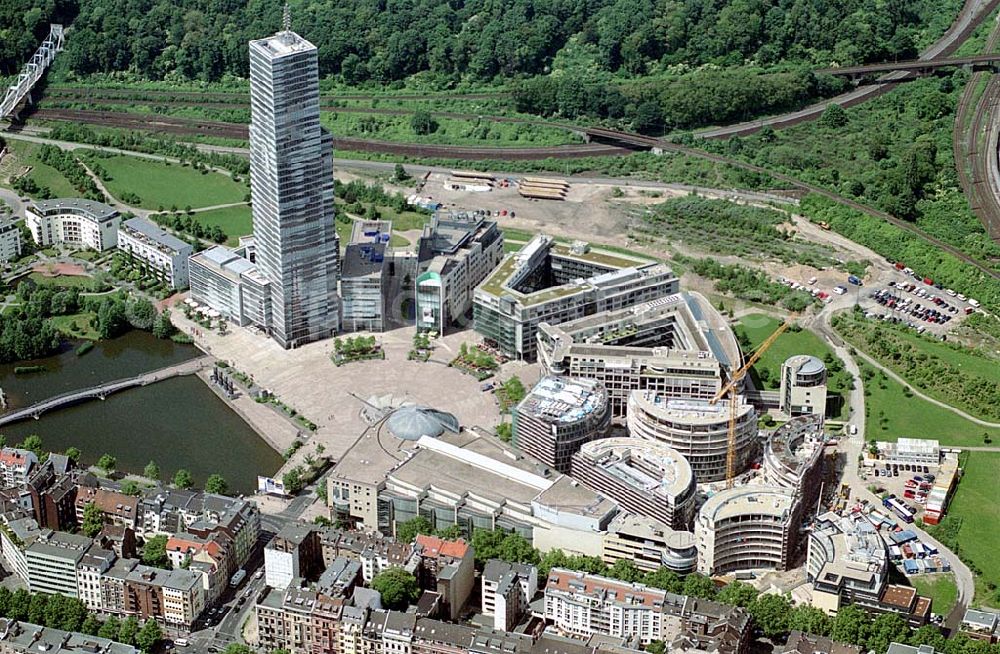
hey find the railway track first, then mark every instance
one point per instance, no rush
(88, 93)
(972, 158)
(191, 127)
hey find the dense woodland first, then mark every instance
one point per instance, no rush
(388, 40)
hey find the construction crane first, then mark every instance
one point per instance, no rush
(731, 388)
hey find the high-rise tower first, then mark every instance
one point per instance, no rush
(291, 184)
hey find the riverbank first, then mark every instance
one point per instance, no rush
(272, 428)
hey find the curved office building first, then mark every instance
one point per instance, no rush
(696, 429)
(803, 386)
(74, 222)
(644, 477)
(793, 456)
(748, 528)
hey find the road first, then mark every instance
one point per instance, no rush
(853, 447)
(229, 629)
(973, 13)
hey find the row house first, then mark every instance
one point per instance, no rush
(210, 557)
(375, 551)
(117, 508)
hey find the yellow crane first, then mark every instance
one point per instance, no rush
(730, 389)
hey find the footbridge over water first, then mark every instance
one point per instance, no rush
(32, 72)
(102, 391)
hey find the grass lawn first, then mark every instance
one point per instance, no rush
(757, 327)
(50, 252)
(43, 174)
(405, 221)
(940, 587)
(975, 503)
(397, 241)
(64, 281)
(234, 221)
(85, 255)
(165, 185)
(79, 325)
(893, 414)
(344, 230)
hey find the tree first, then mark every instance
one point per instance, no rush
(130, 487)
(34, 444)
(665, 579)
(407, 531)
(73, 454)
(400, 174)
(141, 314)
(110, 628)
(698, 585)
(770, 612)
(91, 625)
(625, 570)
(810, 619)
(515, 548)
(216, 484)
(128, 630)
(93, 520)
(293, 480)
(850, 625)
(183, 479)
(152, 471)
(737, 594)
(107, 463)
(397, 587)
(237, 648)
(149, 636)
(505, 431)
(423, 123)
(154, 551)
(163, 327)
(833, 116)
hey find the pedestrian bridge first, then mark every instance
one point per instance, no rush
(101, 391)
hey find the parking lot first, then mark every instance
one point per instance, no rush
(910, 483)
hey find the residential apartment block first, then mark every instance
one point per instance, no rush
(162, 252)
(16, 465)
(73, 222)
(26, 638)
(10, 238)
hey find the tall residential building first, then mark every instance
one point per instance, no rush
(291, 185)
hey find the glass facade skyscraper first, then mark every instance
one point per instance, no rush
(291, 183)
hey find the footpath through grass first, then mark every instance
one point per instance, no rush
(754, 328)
(893, 412)
(234, 221)
(160, 185)
(26, 155)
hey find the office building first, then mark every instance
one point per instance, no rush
(73, 222)
(175, 597)
(803, 386)
(910, 451)
(364, 278)
(10, 238)
(26, 638)
(793, 457)
(748, 528)
(558, 416)
(644, 477)
(165, 255)
(456, 252)
(649, 544)
(981, 624)
(225, 280)
(697, 429)
(679, 346)
(554, 283)
(847, 562)
(291, 186)
(52, 561)
(507, 589)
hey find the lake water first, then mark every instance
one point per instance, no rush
(179, 423)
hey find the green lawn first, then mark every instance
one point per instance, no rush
(975, 503)
(940, 587)
(398, 241)
(80, 325)
(165, 185)
(892, 414)
(64, 281)
(234, 221)
(85, 255)
(756, 327)
(43, 174)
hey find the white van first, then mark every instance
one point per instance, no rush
(181, 642)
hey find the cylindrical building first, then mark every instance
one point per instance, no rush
(803, 386)
(793, 457)
(748, 528)
(696, 429)
(644, 477)
(558, 416)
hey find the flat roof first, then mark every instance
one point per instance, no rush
(283, 43)
(96, 210)
(645, 465)
(363, 260)
(564, 400)
(688, 411)
(156, 234)
(732, 502)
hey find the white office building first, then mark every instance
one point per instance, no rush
(73, 222)
(163, 252)
(910, 451)
(291, 185)
(53, 559)
(224, 280)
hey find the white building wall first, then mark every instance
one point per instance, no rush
(279, 568)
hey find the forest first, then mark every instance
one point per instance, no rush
(387, 40)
